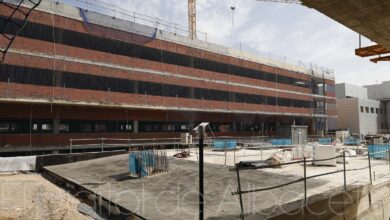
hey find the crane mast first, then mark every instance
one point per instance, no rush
(192, 14)
(192, 19)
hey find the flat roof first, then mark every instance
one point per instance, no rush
(173, 195)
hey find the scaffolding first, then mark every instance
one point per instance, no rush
(57, 78)
(16, 11)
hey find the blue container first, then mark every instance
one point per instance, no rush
(224, 144)
(218, 144)
(287, 141)
(376, 151)
(325, 141)
(281, 142)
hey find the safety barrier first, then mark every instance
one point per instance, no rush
(378, 151)
(224, 144)
(103, 143)
(245, 166)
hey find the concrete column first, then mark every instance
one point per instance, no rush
(56, 126)
(232, 97)
(192, 92)
(313, 126)
(136, 87)
(386, 111)
(135, 127)
(326, 126)
(191, 123)
(234, 128)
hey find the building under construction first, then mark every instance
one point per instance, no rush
(75, 73)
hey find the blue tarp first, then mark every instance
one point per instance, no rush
(351, 141)
(83, 15)
(139, 161)
(224, 144)
(281, 142)
(325, 141)
(376, 150)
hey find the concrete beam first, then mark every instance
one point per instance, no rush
(370, 18)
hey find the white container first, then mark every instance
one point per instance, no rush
(321, 152)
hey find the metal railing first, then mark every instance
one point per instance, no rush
(115, 11)
(119, 12)
(244, 166)
(120, 142)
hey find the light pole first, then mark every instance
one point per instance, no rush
(200, 130)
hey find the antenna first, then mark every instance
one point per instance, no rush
(232, 8)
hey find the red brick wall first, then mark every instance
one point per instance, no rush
(14, 90)
(48, 48)
(24, 60)
(75, 25)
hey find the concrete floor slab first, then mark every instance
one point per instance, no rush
(370, 18)
(174, 195)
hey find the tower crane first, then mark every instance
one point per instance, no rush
(192, 14)
(192, 19)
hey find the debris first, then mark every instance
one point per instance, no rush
(274, 161)
(183, 154)
(243, 164)
(285, 155)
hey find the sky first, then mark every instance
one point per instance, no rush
(285, 30)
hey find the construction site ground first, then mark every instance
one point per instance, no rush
(174, 195)
(30, 196)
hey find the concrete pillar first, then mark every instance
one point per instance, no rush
(313, 126)
(135, 127)
(192, 92)
(191, 123)
(326, 126)
(136, 87)
(386, 116)
(56, 126)
(232, 96)
(234, 128)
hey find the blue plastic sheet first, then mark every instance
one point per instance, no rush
(281, 142)
(224, 144)
(377, 150)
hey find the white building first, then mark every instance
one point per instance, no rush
(356, 112)
(381, 92)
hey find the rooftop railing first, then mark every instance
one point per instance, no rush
(242, 166)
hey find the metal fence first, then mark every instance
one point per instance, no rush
(241, 166)
(131, 144)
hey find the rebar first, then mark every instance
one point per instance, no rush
(147, 163)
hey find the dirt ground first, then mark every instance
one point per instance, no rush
(30, 196)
